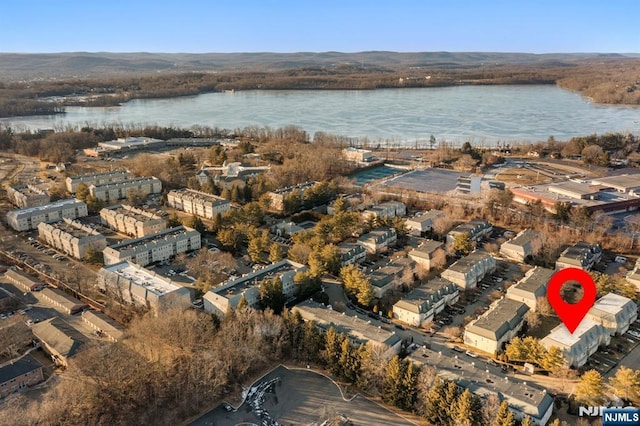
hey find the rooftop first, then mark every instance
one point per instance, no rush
(287, 189)
(18, 367)
(99, 175)
(431, 180)
(240, 284)
(51, 206)
(60, 297)
(377, 234)
(133, 212)
(611, 303)
(73, 228)
(561, 334)
(59, 335)
(534, 279)
(524, 237)
(198, 196)
(467, 263)
(426, 248)
(504, 315)
(429, 216)
(578, 188)
(153, 238)
(142, 277)
(624, 182)
(471, 226)
(126, 182)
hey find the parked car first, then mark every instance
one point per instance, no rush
(458, 349)
(471, 354)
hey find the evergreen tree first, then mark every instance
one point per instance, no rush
(510, 420)
(410, 387)
(247, 194)
(435, 408)
(339, 206)
(275, 253)
(392, 384)
(463, 409)
(255, 249)
(235, 194)
(591, 389)
(463, 244)
(316, 265)
(271, 295)
(333, 349)
(626, 383)
(242, 303)
(502, 415)
(82, 191)
(451, 394)
(526, 421)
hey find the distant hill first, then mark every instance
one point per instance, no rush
(15, 66)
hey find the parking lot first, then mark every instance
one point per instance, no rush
(622, 349)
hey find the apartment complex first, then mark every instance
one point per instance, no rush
(358, 331)
(197, 203)
(131, 283)
(89, 179)
(389, 276)
(614, 312)
(29, 218)
(493, 329)
(279, 195)
(428, 253)
(72, 237)
(525, 244)
(422, 304)
(531, 287)
(119, 190)
(18, 374)
(578, 346)
(228, 294)
(581, 255)
(420, 225)
(386, 210)
(379, 240)
(25, 196)
(351, 253)
(132, 221)
(154, 247)
(471, 269)
(476, 229)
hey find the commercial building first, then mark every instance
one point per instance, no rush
(379, 240)
(614, 312)
(578, 346)
(351, 253)
(358, 331)
(27, 219)
(104, 325)
(61, 301)
(471, 269)
(131, 283)
(142, 186)
(428, 253)
(531, 287)
(476, 229)
(25, 196)
(623, 183)
(524, 398)
(419, 306)
(89, 179)
(469, 184)
(357, 154)
(132, 221)
(197, 203)
(386, 210)
(23, 281)
(18, 374)
(493, 329)
(59, 339)
(227, 295)
(72, 237)
(124, 145)
(420, 225)
(154, 247)
(581, 255)
(229, 172)
(296, 191)
(525, 244)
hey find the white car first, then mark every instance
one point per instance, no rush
(471, 354)
(634, 333)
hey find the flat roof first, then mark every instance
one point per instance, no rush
(73, 228)
(431, 180)
(525, 236)
(624, 182)
(99, 175)
(580, 189)
(353, 326)
(50, 206)
(142, 277)
(60, 297)
(126, 182)
(193, 195)
(561, 334)
(611, 303)
(158, 236)
(240, 284)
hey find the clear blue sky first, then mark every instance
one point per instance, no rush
(313, 25)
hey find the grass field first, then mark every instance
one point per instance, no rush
(521, 176)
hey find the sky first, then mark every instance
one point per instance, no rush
(197, 26)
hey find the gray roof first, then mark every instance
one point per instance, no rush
(503, 316)
(59, 335)
(18, 367)
(535, 281)
(426, 248)
(104, 323)
(60, 297)
(524, 237)
(467, 263)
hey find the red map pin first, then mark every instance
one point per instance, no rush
(571, 314)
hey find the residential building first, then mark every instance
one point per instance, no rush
(525, 244)
(581, 255)
(633, 276)
(386, 210)
(419, 306)
(470, 270)
(389, 276)
(89, 179)
(296, 191)
(124, 145)
(18, 374)
(72, 237)
(155, 247)
(614, 312)
(197, 203)
(29, 218)
(229, 172)
(131, 283)
(351, 253)
(23, 281)
(531, 287)
(357, 154)
(132, 221)
(59, 339)
(493, 329)
(351, 201)
(61, 301)
(357, 330)
(428, 253)
(27, 195)
(228, 294)
(379, 240)
(476, 229)
(287, 229)
(112, 191)
(104, 325)
(524, 398)
(420, 225)
(578, 346)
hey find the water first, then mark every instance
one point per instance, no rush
(480, 114)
